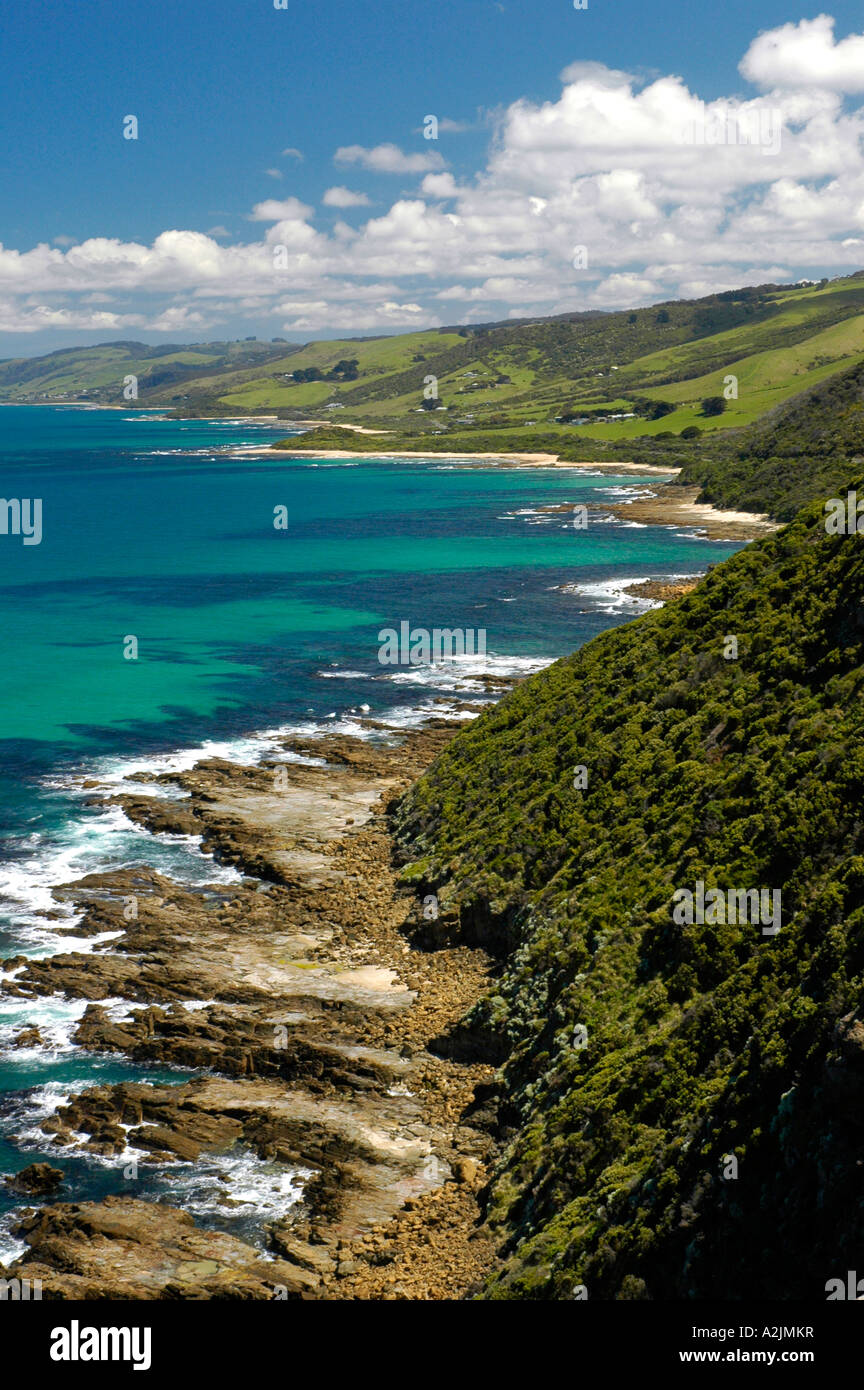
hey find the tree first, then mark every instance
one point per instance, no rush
(691, 432)
(661, 408)
(713, 405)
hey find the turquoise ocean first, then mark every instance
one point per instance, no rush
(157, 529)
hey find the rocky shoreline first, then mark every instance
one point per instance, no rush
(675, 504)
(306, 997)
(662, 590)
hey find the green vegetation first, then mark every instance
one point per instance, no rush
(799, 453)
(97, 374)
(704, 1042)
(777, 341)
(649, 385)
(663, 453)
(641, 364)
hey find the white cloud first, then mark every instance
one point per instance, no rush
(284, 210)
(439, 186)
(273, 173)
(657, 184)
(340, 197)
(291, 153)
(36, 317)
(389, 159)
(598, 73)
(175, 318)
(806, 55)
(315, 315)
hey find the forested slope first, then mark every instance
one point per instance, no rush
(638, 1055)
(804, 450)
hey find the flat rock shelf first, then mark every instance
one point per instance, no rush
(314, 1023)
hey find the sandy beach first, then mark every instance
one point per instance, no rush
(505, 460)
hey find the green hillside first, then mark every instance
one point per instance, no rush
(777, 341)
(702, 1043)
(803, 451)
(97, 373)
(788, 427)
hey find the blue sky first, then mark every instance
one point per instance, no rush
(222, 88)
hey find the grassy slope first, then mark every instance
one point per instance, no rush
(771, 338)
(703, 1041)
(804, 451)
(776, 343)
(806, 338)
(767, 378)
(97, 373)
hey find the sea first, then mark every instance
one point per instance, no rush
(186, 600)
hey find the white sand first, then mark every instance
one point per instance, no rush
(535, 460)
(703, 511)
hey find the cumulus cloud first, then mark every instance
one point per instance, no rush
(34, 317)
(439, 186)
(667, 194)
(598, 73)
(388, 159)
(806, 55)
(340, 197)
(175, 318)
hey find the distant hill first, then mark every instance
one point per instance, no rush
(785, 362)
(680, 1105)
(776, 340)
(98, 373)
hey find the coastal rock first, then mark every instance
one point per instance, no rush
(298, 995)
(125, 1248)
(317, 1259)
(37, 1180)
(466, 1170)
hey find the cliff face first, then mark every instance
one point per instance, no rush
(683, 1102)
